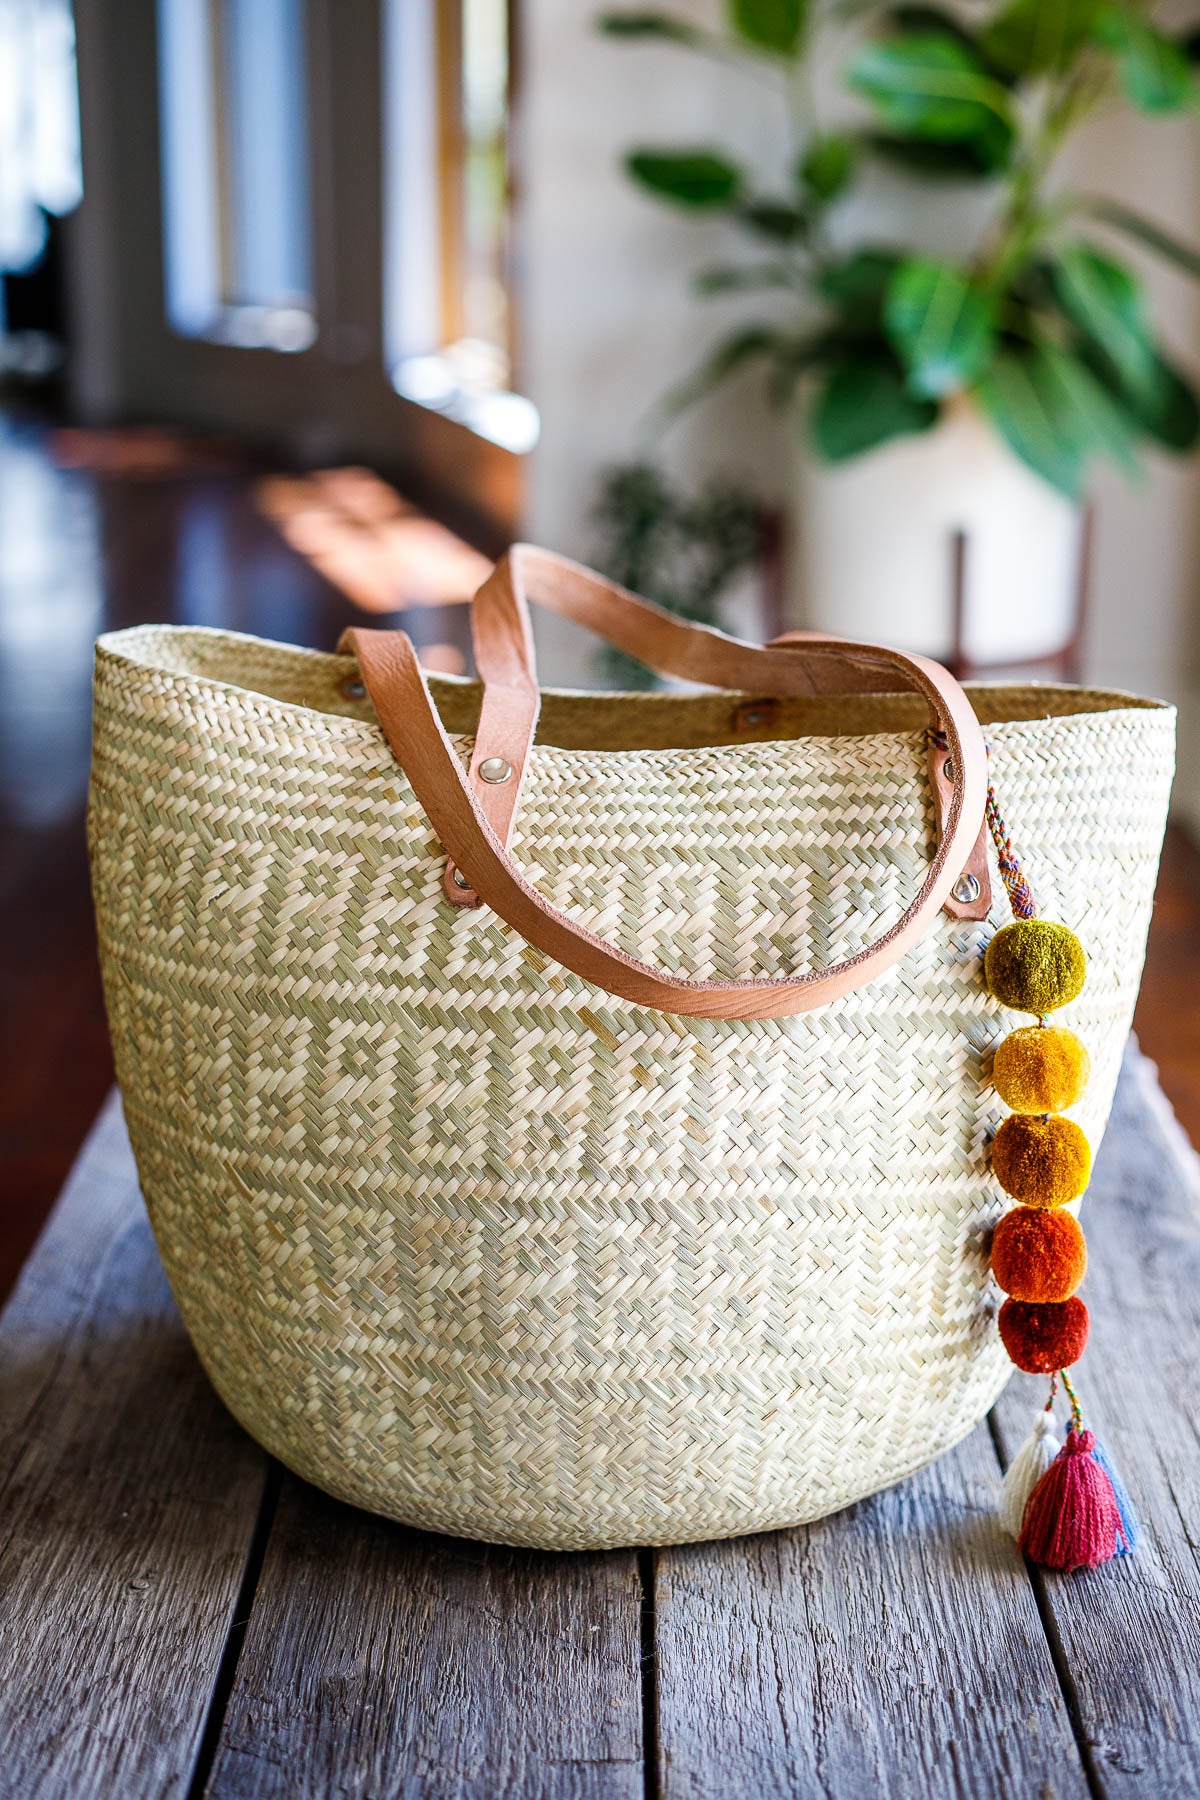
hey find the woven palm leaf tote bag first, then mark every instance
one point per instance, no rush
(565, 1118)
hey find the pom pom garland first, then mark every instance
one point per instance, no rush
(1071, 1519)
(1034, 966)
(1038, 1255)
(1040, 1069)
(1066, 1506)
(1043, 1339)
(1042, 1162)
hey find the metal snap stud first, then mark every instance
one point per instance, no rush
(948, 769)
(966, 889)
(353, 689)
(459, 879)
(495, 770)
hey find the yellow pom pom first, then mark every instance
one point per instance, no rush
(1040, 1069)
(1034, 965)
(1041, 1162)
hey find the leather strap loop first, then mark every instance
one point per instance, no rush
(473, 818)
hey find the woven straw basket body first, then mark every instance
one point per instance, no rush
(467, 1240)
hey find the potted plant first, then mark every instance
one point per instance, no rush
(681, 550)
(978, 390)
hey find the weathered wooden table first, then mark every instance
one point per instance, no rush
(179, 1617)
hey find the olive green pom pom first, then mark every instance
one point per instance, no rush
(1040, 1069)
(1034, 965)
(1042, 1162)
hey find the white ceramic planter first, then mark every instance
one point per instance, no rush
(873, 542)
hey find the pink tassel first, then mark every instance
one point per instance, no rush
(1071, 1518)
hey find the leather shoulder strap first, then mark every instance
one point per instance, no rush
(478, 848)
(504, 657)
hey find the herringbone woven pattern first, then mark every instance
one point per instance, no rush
(471, 1243)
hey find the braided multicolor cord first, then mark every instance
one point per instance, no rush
(1020, 894)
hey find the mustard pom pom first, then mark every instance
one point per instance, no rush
(1034, 965)
(1042, 1162)
(1040, 1069)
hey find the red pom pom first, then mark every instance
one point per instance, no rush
(1041, 1339)
(1071, 1519)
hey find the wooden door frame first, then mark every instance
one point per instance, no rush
(331, 402)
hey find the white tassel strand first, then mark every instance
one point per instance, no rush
(1026, 1470)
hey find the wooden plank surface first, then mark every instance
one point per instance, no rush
(386, 1662)
(1129, 1633)
(128, 1500)
(899, 1648)
(894, 1649)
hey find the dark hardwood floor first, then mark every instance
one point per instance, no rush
(82, 553)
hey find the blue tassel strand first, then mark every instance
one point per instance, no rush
(1129, 1520)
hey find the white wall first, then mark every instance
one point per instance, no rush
(608, 323)
(1145, 627)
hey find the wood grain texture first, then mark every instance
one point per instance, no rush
(1129, 1633)
(128, 1500)
(381, 1663)
(894, 1649)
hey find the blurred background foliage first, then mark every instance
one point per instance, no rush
(680, 550)
(1043, 325)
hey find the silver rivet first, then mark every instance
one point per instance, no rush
(459, 879)
(966, 889)
(948, 768)
(354, 690)
(495, 770)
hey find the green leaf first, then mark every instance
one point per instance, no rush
(921, 20)
(862, 405)
(858, 283)
(1166, 409)
(924, 19)
(727, 356)
(737, 278)
(965, 161)
(1147, 232)
(1056, 414)
(1103, 300)
(940, 324)
(1090, 416)
(933, 86)
(827, 166)
(693, 178)
(1154, 69)
(776, 25)
(775, 219)
(1033, 37)
(648, 25)
(1171, 415)
(1026, 408)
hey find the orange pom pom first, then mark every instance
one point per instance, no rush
(1038, 1255)
(1042, 1162)
(1041, 1339)
(1040, 1069)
